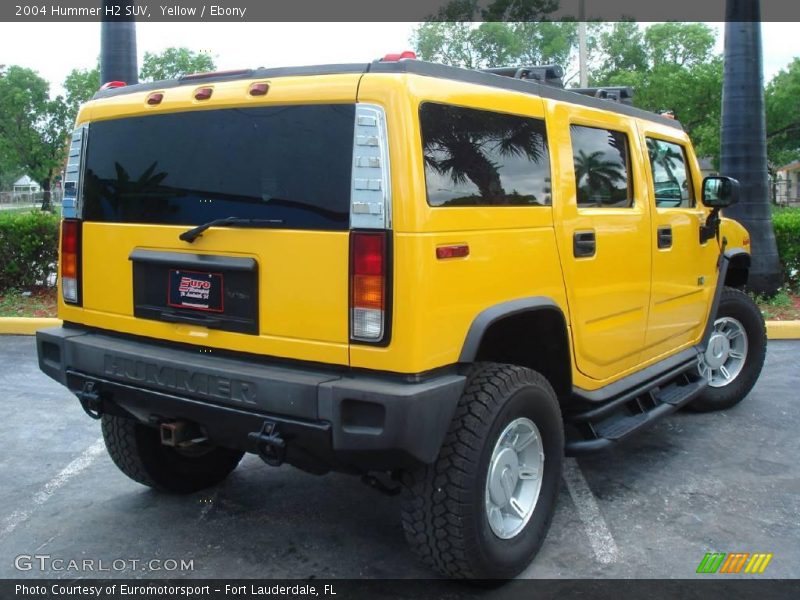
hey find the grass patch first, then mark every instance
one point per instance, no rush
(35, 302)
(783, 306)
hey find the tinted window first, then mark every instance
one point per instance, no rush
(482, 158)
(671, 180)
(601, 167)
(291, 163)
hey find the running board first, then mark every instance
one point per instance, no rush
(602, 427)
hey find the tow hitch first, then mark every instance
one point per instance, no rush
(180, 434)
(91, 400)
(270, 446)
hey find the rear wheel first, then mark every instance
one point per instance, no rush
(137, 451)
(482, 510)
(735, 354)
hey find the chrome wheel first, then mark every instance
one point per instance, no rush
(725, 356)
(514, 479)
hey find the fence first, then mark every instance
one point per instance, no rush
(26, 199)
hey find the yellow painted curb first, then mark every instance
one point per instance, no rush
(783, 330)
(25, 325)
(776, 330)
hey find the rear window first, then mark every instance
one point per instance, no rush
(483, 158)
(287, 163)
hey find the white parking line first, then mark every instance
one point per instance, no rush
(600, 538)
(76, 466)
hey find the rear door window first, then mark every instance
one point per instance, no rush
(602, 167)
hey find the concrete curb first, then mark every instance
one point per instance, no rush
(783, 330)
(776, 330)
(25, 325)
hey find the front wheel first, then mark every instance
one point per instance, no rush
(482, 510)
(735, 353)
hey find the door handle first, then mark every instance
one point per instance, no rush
(584, 244)
(665, 236)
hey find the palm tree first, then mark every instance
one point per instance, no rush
(459, 143)
(593, 173)
(666, 157)
(118, 45)
(744, 150)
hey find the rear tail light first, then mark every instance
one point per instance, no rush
(368, 285)
(70, 260)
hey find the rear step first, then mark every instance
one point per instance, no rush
(600, 428)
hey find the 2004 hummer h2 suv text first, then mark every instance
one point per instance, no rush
(443, 280)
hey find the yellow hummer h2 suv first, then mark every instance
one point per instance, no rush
(439, 279)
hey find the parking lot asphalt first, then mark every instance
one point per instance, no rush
(650, 508)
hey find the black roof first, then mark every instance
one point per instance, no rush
(416, 67)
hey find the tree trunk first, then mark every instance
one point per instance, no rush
(47, 205)
(118, 45)
(480, 171)
(744, 146)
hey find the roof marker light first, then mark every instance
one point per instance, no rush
(203, 93)
(407, 54)
(259, 89)
(110, 85)
(155, 98)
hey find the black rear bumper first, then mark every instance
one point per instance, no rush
(329, 419)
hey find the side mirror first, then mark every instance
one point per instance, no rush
(719, 192)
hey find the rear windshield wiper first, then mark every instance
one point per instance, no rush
(194, 233)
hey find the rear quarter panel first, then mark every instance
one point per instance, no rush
(512, 250)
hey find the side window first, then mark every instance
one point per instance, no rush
(602, 171)
(671, 179)
(483, 158)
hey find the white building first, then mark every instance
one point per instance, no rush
(787, 183)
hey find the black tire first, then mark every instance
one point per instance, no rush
(444, 504)
(737, 305)
(137, 451)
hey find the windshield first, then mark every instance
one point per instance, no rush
(287, 163)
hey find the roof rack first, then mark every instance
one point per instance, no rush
(546, 74)
(553, 75)
(621, 94)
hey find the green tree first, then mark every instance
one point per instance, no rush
(9, 171)
(621, 49)
(33, 130)
(173, 63)
(495, 44)
(782, 99)
(671, 66)
(80, 85)
(679, 44)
